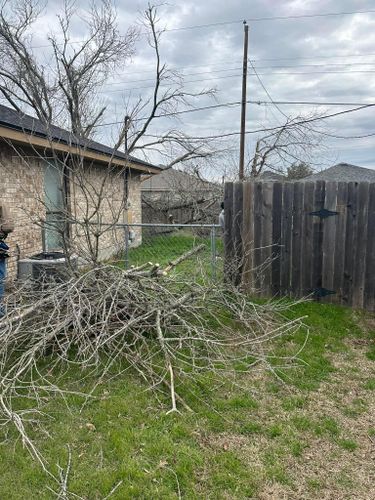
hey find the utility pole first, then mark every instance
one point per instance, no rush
(243, 102)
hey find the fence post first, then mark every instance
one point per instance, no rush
(213, 252)
(126, 259)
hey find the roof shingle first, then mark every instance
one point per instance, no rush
(11, 118)
(343, 172)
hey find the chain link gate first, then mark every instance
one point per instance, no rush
(162, 243)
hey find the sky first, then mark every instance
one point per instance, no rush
(299, 52)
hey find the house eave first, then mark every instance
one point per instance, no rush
(38, 142)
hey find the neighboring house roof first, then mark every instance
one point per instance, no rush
(28, 129)
(343, 172)
(171, 179)
(268, 175)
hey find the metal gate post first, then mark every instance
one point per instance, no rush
(126, 259)
(213, 252)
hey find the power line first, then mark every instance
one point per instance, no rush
(316, 103)
(296, 58)
(315, 65)
(237, 103)
(318, 118)
(293, 124)
(335, 136)
(231, 61)
(254, 69)
(266, 91)
(274, 18)
(277, 73)
(332, 56)
(249, 19)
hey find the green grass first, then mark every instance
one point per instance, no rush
(167, 247)
(348, 444)
(371, 353)
(370, 384)
(242, 438)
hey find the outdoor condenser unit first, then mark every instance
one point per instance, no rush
(45, 266)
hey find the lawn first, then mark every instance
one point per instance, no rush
(300, 433)
(166, 247)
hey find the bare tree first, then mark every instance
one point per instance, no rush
(66, 93)
(294, 141)
(168, 95)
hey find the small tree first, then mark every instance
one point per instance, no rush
(299, 171)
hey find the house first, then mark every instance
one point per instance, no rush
(268, 175)
(180, 197)
(343, 172)
(50, 177)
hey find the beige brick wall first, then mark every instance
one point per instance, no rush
(21, 183)
(109, 190)
(22, 189)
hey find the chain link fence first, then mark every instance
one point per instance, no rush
(163, 243)
(133, 245)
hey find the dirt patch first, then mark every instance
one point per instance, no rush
(366, 321)
(335, 463)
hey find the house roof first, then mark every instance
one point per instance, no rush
(171, 179)
(31, 128)
(268, 175)
(343, 172)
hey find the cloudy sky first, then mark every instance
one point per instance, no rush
(298, 57)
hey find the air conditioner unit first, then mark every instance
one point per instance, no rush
(45, 266)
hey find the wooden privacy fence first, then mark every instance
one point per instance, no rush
(302, 238)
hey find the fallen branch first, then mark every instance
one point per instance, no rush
(185, 256)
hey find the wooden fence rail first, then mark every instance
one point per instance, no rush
(302, 238)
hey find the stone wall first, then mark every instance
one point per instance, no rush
(22, 191)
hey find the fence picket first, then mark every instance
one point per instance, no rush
(237, 230)
(307, 239)
(258, 203)
(228, 238)
(340, 237)
(369, 288)
(286, 238)
(297, 238)
(350, 246)
(317, 263)
(266, 252)
(276, 238)
(248, 235)
(329, 233)
(360, 253)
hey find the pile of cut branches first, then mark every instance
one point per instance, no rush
(147, 318)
